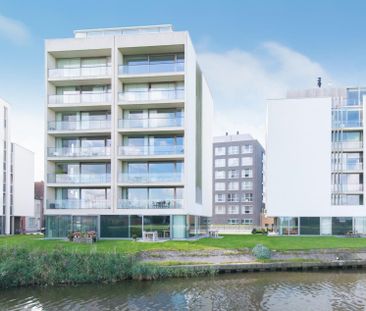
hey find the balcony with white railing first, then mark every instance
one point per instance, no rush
(79, 204)
(148, 123)
(147, 150)
(83, 98)
(152, 68)
(347, 145)
(79, 72)
(150, 204)
(151, 95)
(346, 124)
(85, 179)
(73, 152)
(150, 178)
(86, 125)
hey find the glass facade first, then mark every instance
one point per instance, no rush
(288, 225)
(115, 226)
(341, 225)
(58, 226)
(309, 225)
(160, 224)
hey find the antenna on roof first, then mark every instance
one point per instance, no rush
(319, 82)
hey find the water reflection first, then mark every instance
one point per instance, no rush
(261, 291)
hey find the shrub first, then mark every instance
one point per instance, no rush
(261, 252)
(254, 231)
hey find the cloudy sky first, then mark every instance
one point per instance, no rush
(248, 50)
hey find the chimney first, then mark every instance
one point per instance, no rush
(226, 133)
(237, 132)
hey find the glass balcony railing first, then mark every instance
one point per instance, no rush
(79, 204)
(347, 145)
(79, 72)
(150, 204)
(150, 123)
(79, 179)
(347, 188)
(346, 124)
(84, 98)
(150, 177)
(151, 95)
(155, 67)
(354, 167)
(150, 150)
(79, 152)
(79, 125)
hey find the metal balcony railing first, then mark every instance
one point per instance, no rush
(150, 123)
(150, 204)
(79, 152)
(150, 177)
(83, 98)
(147, 150)
(79, 125)
(79, 204)
(151, 95)
(79, 178)
(155, 67)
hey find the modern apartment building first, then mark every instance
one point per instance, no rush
(314, 161)
(237, 180)
(17, 177)
(128, 134)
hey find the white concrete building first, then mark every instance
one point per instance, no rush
(17, 177)
(314, 161)
(128, 134)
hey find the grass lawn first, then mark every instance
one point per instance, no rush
(280, 243)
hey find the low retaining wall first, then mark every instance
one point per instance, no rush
(282, 266)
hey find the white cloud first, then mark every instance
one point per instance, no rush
(241, 81)
(13, 30)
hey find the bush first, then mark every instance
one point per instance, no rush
(261, 252)
(254, 231)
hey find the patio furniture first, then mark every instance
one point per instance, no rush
(150, 235)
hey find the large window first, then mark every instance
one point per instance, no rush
(246, 161)
(220, 174)
(219, 186)
(84, 223)
(231, 174)
(233, 150)
(247, 197)
(247, 149)
(220, 197)
(341, 225)
(247, 173)
(220, 163)
(233, 162)
(233, 209)
(58, 226)
(114, 226)
(232, 197)
(247, 185)
(309, 225)
(220, 151)
(160, 224)
(233, 185)
(247, 209)
(220, 210)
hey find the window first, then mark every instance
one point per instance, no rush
(220, 174)
(233, 209)
(220, 197)
(247, 221)
(247, 185)
(233, 150)
(247, 197)
(220, 186)
(247, 161)
(247, 149)
(233, 174)
(220, 210)
(233, 162)
(247, 173)
(220, 163)
(233, 221)
(233, 185)
(232, 197)
(220, 151)
(247, 209)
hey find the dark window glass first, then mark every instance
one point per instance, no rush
(310, 225)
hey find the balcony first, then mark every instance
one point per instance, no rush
(151, 95)
(83, 98)
(354, 167)
(347, 145)
(80, 72)
(79, 204)
(79, 179)
(79, 125)
(351, 188)
(147, 150)
(150, 204)
(72, 152)
(150, 178)
(156, 67)
(150, 123)
(346, 124)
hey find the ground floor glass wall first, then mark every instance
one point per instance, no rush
(2, 224)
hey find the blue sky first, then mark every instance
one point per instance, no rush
(261, 48)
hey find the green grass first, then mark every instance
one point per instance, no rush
(280, 243)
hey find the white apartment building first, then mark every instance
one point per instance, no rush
(314, 161)
(17, 181)
(128, 134)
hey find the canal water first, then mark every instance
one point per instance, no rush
(254, 291)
